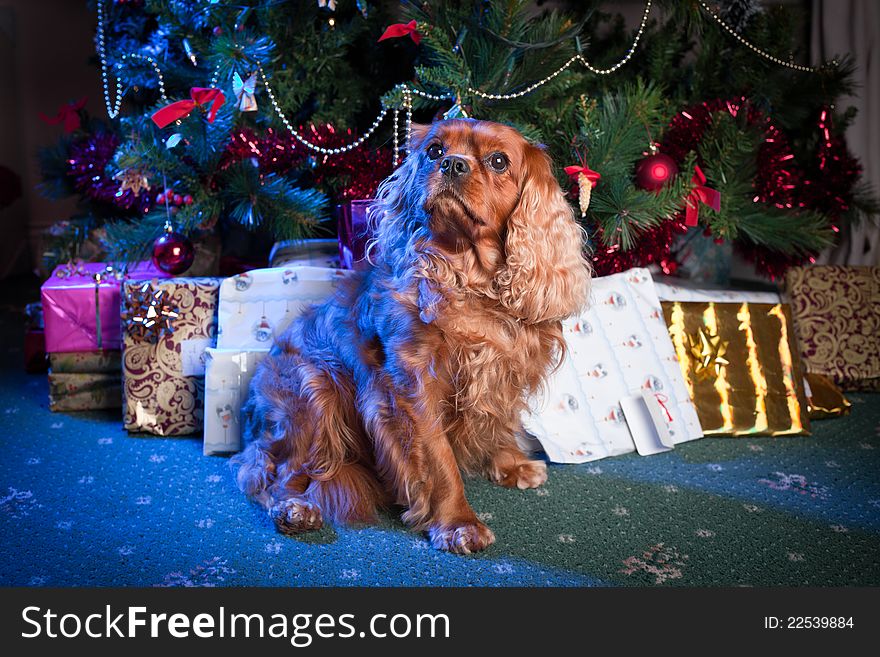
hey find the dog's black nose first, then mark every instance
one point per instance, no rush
(454, 166)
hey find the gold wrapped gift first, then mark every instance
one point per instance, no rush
(741, 367)
(86, 362)
(824, 398)
(84, 391)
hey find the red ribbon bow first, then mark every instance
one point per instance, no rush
(700, 194)
(400, 30)
(177, 110)
(662, 399)
(68, 115)
(575, 170)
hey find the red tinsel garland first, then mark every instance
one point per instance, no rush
(779, 180)
(87, 160)
(653, 247)
(826, 188)
(352, 175)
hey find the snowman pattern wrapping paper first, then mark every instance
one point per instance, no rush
(256, 306)
(618, 347)
(227, 382)
(254, 309)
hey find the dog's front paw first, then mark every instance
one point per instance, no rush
(294, 516)
(461, 539)
(531, 474)
(525, 474)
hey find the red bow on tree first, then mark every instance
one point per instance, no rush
(576, 170)
(402, 29)
(700, 194)
(200, 97)
(586, 179)
(68, 115)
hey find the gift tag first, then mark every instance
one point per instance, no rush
(647, 424)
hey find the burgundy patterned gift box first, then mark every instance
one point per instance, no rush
(836, 312)
(164, 374)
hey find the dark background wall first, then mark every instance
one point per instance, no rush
(45, 46)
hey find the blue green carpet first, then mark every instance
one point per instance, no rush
(84, 504)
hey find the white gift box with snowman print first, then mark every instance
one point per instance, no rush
(618, 349)
(255, 307)
(228, 375)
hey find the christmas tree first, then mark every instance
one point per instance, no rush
(198, 141)
(685, 91)
(698, 118)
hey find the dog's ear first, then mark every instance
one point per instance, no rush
(545, 276)
(417, 134)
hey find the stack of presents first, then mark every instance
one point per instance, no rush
(649, 364)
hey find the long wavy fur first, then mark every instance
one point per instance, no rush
(419, 366)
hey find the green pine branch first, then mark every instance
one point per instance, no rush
(131, 240)
(728, 155)
(271, 202)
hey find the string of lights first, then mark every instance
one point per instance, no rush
(406, 90)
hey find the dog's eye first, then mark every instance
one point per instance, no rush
(435, 151)
(498, 162)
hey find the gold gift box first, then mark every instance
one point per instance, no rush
(824, 398)
(84, 391)
(86, 362)
(741, 367)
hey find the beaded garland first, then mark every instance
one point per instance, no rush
(407, 91)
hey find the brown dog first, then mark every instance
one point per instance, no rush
(419, 366)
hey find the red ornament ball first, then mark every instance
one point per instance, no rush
(655, 171)
(173, 253)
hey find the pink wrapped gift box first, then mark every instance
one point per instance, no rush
(353, 231)
(82, 314)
